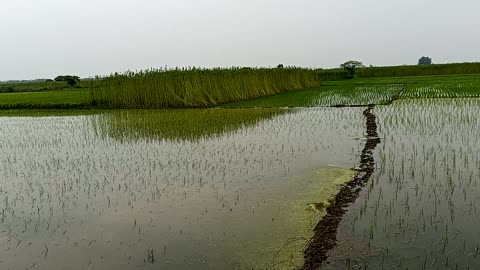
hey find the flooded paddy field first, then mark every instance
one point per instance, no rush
(189, 189)
(421, 208)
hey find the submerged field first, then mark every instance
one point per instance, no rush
(420, 209)
(245, 188)
(126, 189)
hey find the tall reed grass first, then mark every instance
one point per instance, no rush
(196, 87)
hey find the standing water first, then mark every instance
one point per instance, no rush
(169, 189)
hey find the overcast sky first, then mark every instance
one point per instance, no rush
(45, 38)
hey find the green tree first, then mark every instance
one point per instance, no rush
(71, 80)
(351, 67)
(424, 60)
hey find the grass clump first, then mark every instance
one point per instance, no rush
(195, 87)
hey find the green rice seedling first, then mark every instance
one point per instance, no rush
(429, 196)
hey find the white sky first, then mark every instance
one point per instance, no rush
(46, 38)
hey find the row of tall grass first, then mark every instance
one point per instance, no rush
(400, 71)
(196, 87)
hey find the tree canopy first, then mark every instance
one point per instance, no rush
(425, 60)
(351, 67)
(71, 80)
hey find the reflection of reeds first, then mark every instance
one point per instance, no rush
(176, 125)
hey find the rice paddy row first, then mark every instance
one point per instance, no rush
(61, 99)
(421, 209)
(379, 91)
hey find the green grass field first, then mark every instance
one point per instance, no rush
(68, 98)
(361, 92)
(355, 92)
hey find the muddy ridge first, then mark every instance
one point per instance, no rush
(325, 232)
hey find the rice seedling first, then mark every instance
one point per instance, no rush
(451, 87)
(62, 99)
(420, 214)
(218, 192)
(336, 95)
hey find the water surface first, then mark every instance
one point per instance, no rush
(169, 189)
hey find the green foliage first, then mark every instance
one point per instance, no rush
(401, 71)
(71, 80)
(423, 70)
(194, 87)
(425, 60)
(351, 67)
(335, 74)
(36, 86)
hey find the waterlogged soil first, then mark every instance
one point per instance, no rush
(170, 189)
(420, 209)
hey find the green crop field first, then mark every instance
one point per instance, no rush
(361, 92)
(236, 87)
(68, 98)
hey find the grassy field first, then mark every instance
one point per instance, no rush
(361, 92)
(37, 86)
(67, 98)
(267, 88)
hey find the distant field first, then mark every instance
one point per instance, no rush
(37, 86)
(361, 92)
(402, 71)
(355, 92)
(69, 98)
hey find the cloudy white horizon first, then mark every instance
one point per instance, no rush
(46, 38)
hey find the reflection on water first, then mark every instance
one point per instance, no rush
(420, 211)
(178, 124)
(198, 189)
